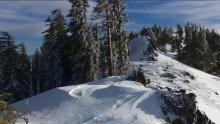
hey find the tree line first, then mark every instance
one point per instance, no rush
(76, 52)
(193, 44)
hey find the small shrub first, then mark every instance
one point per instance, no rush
(7, 113)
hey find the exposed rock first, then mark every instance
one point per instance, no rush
(184, 106)
(140, 65)
(170, 80)
(138, 76)
(179, 121)
(186, 81)
(169, 75)
(188, 75)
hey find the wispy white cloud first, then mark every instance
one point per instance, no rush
(25, 19)
(183, 11)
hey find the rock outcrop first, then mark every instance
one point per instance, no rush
(184, 106)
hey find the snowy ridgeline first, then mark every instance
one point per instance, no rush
(115, 100)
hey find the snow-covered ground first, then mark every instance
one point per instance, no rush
(114, 100)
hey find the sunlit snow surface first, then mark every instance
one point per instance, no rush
(117, 101)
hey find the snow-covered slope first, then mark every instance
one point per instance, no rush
(107, 101)
(115, 100)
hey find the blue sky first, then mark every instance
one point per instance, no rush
(25, 19)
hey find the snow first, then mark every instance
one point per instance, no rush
(136, 48)
(114, 100)
(96, 102)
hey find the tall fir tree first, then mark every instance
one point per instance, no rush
(213, 39)
(53, 50)
(36, 69)
(179, 38)
(104, 11)
(119, 8)
(84, 51)
(197, 53)
(10, 68)
(24, 71)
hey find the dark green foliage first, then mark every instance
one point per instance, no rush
(36, 73)
(178, 40)
(84, 51)
(53, 51)
(159, 36)
(24, 71)
(14, 66)
(197, 53)
(121, 39)
(165, 36)
(132, 35)
(115, 48)
(195, 46)
(214, 44)
(104, 11)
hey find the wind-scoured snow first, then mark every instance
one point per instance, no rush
(108, 101)
(115, 100)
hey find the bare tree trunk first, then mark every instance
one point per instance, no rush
(38, 84)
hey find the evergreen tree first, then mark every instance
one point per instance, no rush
(36, 72)
(153, 38)
(84, 51)
(208, 60)
(213, 39)
(165, 38)
(104, 10)
(197, 53)
(179, 38)
(24, 71)
(132, 35)
(53, 50)
(9, 67)
(119, 7)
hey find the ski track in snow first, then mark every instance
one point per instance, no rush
(114, 100)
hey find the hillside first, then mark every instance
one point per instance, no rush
(115, 100)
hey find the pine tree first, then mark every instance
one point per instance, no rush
(179, 38)
(24, 71)
(153, 39)
(187, 42)
(84, 53)
(9, 64)
(36, 72)
(213, 39)
(208, 60)
(197, 53)
(53, 50)
(119, 7)
(104, 11)
(132, 35)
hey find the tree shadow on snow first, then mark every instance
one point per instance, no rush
(151, 105)
(45, 101)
